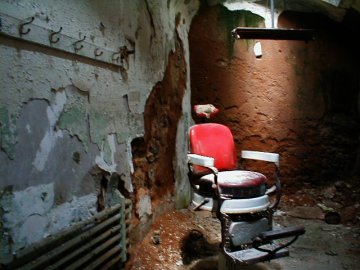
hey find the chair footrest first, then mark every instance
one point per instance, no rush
(252, 255)
(282, 233)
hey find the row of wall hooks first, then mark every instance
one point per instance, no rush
(27, 31)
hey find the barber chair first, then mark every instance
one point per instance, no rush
(241, 199)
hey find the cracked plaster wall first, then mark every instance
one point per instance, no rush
(65, 119)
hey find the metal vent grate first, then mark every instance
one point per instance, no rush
(97, 243)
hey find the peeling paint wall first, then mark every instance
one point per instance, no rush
(67, 121)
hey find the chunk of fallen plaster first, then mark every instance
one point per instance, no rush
(143, 205)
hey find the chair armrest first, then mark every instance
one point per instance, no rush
(207, 162)
(269, 157)
(204, 161)
(264, 156)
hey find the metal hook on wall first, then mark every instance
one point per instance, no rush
(125, 52)
(51, 37)
(117, 57)
(97, 53)
(76, 47)
(21, 27)
(124, 55)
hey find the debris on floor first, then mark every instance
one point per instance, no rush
(189, 240)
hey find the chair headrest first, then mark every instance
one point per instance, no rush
(206, 110)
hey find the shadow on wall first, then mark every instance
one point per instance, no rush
(300, 99)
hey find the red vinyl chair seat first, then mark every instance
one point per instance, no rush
(236, 179)
(236, 184)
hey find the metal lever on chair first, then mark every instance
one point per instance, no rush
(268, 236)
(205, 201)
(281, 233)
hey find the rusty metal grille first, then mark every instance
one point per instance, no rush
(98, 243)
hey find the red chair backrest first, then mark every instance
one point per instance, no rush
(216, 141)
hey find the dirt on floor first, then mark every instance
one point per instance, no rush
(189, 240)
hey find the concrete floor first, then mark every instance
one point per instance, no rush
(322, 247)
(189, 240)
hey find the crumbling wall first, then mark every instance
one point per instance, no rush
(299, 98)
(68, 122)
(154, 175)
